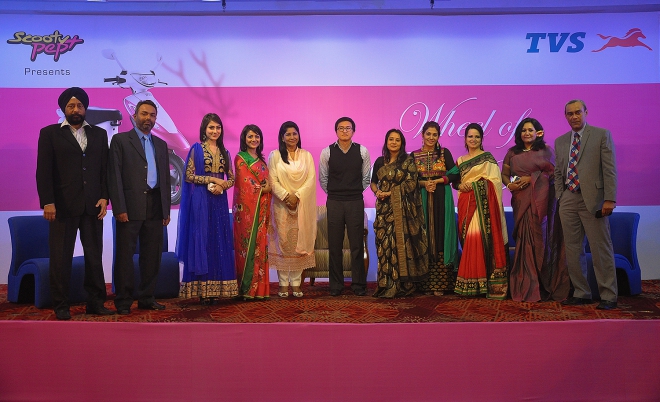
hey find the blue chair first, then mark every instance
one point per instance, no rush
(167, 282)
(623, 229)
(29, 279)
(508, 216)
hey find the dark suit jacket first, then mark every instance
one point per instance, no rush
(127, 175)
(68, 177)
(596, 166)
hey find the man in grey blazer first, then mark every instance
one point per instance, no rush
(139, 184)
(585, 184)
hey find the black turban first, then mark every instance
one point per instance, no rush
(72, 92)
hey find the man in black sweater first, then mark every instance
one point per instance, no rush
(344, 174)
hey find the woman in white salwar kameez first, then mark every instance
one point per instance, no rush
(292, 234)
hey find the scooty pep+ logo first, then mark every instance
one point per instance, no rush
(53, 45)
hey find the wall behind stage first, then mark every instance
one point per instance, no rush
(383, 71)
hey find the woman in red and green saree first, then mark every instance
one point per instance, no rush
(252, 194)
(401, 242)
(481, 224)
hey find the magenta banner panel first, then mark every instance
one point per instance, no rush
(628, 110)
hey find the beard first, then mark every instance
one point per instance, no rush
(145, 126)
(75, 119)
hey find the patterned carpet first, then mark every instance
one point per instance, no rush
(318, 306)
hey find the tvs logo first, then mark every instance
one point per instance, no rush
(574, 42)
(53, 45)
(631, 39)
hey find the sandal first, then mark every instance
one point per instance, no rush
(283, 294)
(297, 294)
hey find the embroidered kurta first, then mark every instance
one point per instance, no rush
(204, 241)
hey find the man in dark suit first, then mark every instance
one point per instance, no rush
(139, 184)
(585, 184)
(72, 185)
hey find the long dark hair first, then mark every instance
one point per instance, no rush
(539, 142)
(428, 125)
(477, 127)
(280, 139)
(255, 129)
(212, 117)
(402, 152)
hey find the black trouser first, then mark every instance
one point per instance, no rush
(349, 216)
(150, 233)
(62, 240)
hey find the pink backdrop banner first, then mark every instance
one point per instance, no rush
(628, 110)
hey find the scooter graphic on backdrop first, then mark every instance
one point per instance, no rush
(140, 83)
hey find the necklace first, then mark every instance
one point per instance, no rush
(527, 149)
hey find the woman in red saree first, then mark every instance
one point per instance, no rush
(252, 194)
(538, 269)
(481, 225)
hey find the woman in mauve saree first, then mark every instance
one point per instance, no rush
(538, 269)
(481, 224)
(252, 194)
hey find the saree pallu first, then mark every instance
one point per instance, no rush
(482, 231)
(538, 270)
(251, 221)
(399, 229)
(204, 241)
(440, 219)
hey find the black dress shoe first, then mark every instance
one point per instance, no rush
(63, 314)
(576, 301)
(151, 306)
(360, 292)
(606, 305)
(123, 310)
(335, 293)
(100, 310)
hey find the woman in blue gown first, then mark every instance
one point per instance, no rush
(204, 242)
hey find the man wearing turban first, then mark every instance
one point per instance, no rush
(73, 192)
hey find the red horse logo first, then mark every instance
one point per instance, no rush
(631, 39)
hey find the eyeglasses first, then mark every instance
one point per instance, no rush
(345, 129)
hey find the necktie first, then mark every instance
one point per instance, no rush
(152, 175)
(573, 182)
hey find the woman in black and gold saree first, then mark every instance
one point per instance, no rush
(401, 242)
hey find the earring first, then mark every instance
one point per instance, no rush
(204, 137)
